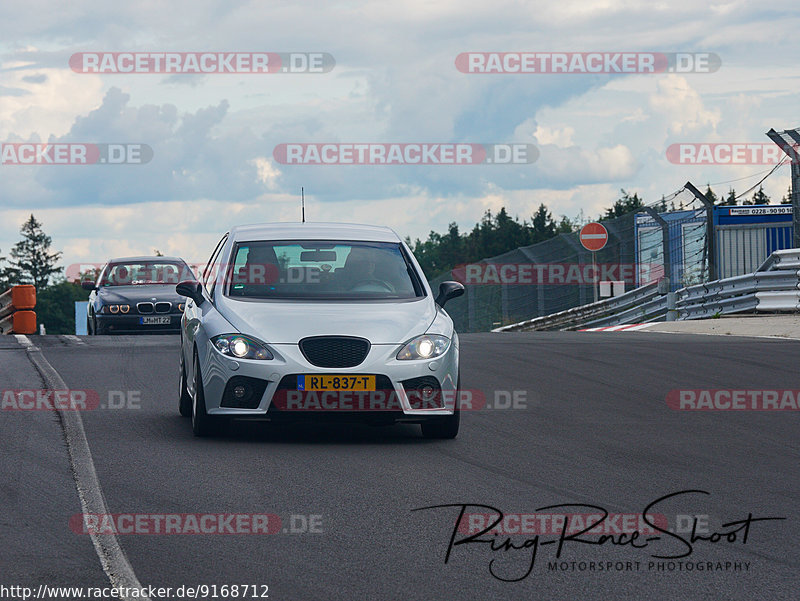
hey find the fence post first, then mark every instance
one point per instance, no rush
(666, 251)
(711, 238)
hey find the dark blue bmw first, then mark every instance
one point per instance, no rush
(137, 294)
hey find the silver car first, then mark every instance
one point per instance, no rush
(318, 321)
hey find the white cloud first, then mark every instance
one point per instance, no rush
(394, 81)
(682, 106)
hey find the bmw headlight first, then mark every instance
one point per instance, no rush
(426, 346)
(114, 309)
(241, 347)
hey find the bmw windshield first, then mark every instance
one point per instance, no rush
(322, 270)
(145, 273)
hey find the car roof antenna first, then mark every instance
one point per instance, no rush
(303, 204)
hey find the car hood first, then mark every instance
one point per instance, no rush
(139, 293)
(289, 322)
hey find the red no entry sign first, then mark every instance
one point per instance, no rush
(593, 236)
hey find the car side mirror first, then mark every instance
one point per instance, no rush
(191, 289)
(449, 290)
(88, 286)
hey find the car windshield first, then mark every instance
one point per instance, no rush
(145, 272)
(331, 270)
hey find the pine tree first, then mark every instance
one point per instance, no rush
(761, 197)
(710, 195)
(32, 258)
(625, 204)
(730, 199)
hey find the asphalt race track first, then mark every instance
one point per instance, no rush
(591, 426)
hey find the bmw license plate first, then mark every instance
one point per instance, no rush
(336, 382)
(155, 320)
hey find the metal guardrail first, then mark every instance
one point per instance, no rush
(742, 284)
(774, 286)
(649, 311)
(577, 316)
(16, 310)
(782, 259)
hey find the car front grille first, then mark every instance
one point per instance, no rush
(334, 351)
(163, 307)
(144, 308)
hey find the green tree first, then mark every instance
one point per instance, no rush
(55, 306)
(565, 225)
(730, 199)
(5, 280)
(787, 200)
(542, 225)
(710, 195)
(625, 204)
(32, 258)
(759, 198)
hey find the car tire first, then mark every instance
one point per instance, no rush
(184, 398)
(445, 427)
(202, 423)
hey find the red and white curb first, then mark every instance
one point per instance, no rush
(631, 327)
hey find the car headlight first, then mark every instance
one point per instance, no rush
(241, 347)
(426, 346)
(114, 309)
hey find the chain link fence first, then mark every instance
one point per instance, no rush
(559, 274)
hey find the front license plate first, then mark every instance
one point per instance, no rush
(336, 382)
(155, 320)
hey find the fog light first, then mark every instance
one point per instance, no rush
(427, 392)
(239, 392)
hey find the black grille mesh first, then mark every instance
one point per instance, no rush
(334, 351)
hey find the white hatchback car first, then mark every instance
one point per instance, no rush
(293, 321)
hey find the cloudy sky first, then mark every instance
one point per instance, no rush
(395, 80)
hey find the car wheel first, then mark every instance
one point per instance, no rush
(445, 427)
(202, 423)
(185, 399)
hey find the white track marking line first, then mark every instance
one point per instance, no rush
(112, 557)
(74, 339)
(631, 327)
(26, 342)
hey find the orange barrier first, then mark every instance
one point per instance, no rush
(16, 315)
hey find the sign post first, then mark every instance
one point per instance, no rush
(594, 237)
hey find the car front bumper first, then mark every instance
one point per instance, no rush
(280, 399)
(131, 323)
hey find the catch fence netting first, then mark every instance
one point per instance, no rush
(560, 273)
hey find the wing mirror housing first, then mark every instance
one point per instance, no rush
(449, 290)
(191, 289)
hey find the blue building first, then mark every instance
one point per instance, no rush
(746, 236)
